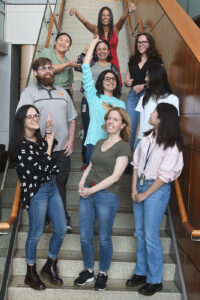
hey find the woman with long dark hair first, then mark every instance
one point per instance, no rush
(101, 61)
(100, 98)
(158, 90)
(145, 54)
(158, 160)
(36, 171)
(106, 29)
(98, 189)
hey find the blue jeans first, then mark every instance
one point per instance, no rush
(46, 200)
(103, 205)
(89, 150)
(148, 218)
(131, 103)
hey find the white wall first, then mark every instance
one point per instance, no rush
(5, 75)
(23, 23)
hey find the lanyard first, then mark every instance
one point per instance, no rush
(147, 156)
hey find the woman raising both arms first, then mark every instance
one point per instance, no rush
(105, 27)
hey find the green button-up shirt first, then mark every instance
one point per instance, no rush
(64, 78)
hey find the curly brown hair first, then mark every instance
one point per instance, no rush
(126, 131)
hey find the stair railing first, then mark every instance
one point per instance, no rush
(50, 26)
(139, 23)
(194, 233)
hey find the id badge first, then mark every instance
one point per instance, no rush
(142, 179)
(84, 108)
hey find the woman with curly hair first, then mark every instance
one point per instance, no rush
(145, 54)
(99, 98)
(105, 27)
(98, 189)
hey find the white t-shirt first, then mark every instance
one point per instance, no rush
(149, 108)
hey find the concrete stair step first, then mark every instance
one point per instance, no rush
(71, 264)
(116, 290)
(121, 242)
(123, 220)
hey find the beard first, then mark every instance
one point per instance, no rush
(45, 81)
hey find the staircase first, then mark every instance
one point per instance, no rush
(70, 258)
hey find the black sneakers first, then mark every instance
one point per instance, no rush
(135, 280)
(69, 226)
(101, 282)
(84, 277)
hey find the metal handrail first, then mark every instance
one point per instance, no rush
(130, 21)
(14, 212)
(50, 30)
(61, 13)
(195, 233)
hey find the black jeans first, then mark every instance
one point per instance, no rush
(63, 162)
(86, 120)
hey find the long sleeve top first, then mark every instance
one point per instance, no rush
(98, 106)
(34, 167)
(166, 164)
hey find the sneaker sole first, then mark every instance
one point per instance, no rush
(97, 289)
(88, 280)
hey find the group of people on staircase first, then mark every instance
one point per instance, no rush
(43, 140)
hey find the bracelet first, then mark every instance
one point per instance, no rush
(47, 132)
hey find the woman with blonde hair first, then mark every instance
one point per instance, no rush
(98, 189)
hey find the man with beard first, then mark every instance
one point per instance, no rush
(49, 98)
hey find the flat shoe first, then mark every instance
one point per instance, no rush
(149, 289)
(135, 280)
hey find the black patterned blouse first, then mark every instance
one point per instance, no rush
(34, 167)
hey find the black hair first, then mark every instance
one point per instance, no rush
(169, 133)
(158, 85)
(152, 53)
(100, 26)
(64, 33)
(17, 135)
(95, 58)
(41, 61)
(99, 84)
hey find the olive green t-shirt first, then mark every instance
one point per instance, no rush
(103, 162)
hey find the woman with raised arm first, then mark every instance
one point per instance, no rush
(36, 171)
(105, 27)
(145, 54)
(100, 62)
(98, 189)
(158, 160)
(100, 98)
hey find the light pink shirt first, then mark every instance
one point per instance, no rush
(166, 164)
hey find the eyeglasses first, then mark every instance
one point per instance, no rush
(29, 117)
(109, 79)
(44, 69)
(142, 42)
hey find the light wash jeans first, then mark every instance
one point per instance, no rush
(148, 216)
(103, 205)
(131, 103)
(46, 201)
